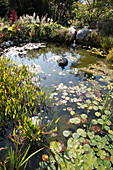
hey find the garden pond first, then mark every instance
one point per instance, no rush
(78, 90)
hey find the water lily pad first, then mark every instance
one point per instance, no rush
(100, 121)
(66, 133)
(107, 112)
(75, 135)
(82, 140)
(84, 116)
(92, 142)
(75, 120)
(88, 101)
(98, 114)
(104, 117)
(97, 138)
(107, 128)
(107, 163)
(72, 112)
(111, 159)
(86, 147)
(91, 135)
(81, 132)
(100, 145)
(108, 122)
(94, 121)
(101, 153)
(95, 107)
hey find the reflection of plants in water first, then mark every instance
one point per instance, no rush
(91, 145)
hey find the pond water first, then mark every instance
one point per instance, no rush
(68, 85)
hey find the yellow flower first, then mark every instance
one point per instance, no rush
(111, 131)
(13, 25)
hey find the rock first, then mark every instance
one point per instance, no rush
(1, 49)
(7, 44)
(81, 34)
(73, 32)
(62, 61)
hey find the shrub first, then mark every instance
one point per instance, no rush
(107, 28)
(93, 39)
(107, 43)
(21, 98)
(62, 36)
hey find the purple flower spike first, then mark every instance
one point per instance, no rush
(48, 121)
(39, 114)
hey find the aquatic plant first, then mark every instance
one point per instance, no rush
(89, 144)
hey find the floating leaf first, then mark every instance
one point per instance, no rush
(84, 116)
(81, 132)
(69, 109)
(100, 121)
(107, 128)
(66, 133)
(101, 153)
(111, 158)
(82, 140)
(86, 147)
(95, 107)
(97, 114)
(88, 101)
(104, 117)
(72, 112)
(96, 129)
(100, 145)
(97, 138)
(94, 121)
(92, 142)
(107, 112)
(75, 120)
(91, 135)
(107, 163)
(75, 135)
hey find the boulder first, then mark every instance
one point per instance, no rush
(62, 61)
(81, 34)
(73, 32)
(7, 44)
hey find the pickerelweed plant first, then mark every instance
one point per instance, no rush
(24, 106)
(89, 144)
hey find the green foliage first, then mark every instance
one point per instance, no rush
(30, 27)
(93, 39)
(107, 29)
(107, 43)
(110, 55)
(91, 11)
(20, 98)
(62, 36)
